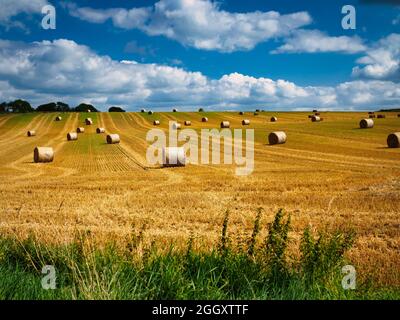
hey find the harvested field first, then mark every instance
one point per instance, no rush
(327, 176)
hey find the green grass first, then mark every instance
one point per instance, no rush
(249, 269)
(151, 117)
(84, 115)
(88, 142)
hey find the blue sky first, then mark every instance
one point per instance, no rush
(285, 55)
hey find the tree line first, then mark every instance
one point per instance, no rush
(22, 106)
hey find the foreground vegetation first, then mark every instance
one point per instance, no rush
(254, 269)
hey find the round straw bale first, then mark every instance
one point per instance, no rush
(173, 157)
(113, 138)
(80, 130)
(245, 122)
(204, 119)
(258, 110)
(315, 119)
(317, 114)
(277, 137)
(371, 116)
(371, 112)
(274, 119)
(366, 123)
(310, 116)
(89, 110)
(225, 124)
(156, 122)
(315, 110)
(43, 154)
(88, 121)
(188, 123)
(398, 116)
(58, 118)
(176, 126)
(31, 133)
(100, 130)
(241, 113)
(201, 110)
(381, 116)
(143, 110)
(393, 140)
(72, 136)
(150, 112)
(174, 110)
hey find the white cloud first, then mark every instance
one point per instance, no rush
(199, 23)
(11, 8)
(312, 41)
(372, 93)
(62, 70)
(382, 60)
(122, 18)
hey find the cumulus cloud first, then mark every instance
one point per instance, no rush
(382, 60)
(62, 70)
(372, 93)
(312, 41)
(61, 66)
(12, 8)
(122, 18)
(198, 23)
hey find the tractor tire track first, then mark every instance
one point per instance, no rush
(123, 147)
(31, 170)
(20, 140)
(314, 156)
(21, 132)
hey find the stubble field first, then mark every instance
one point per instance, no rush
(328, 175)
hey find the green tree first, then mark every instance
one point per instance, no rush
(21, 106)
(84, 107)
(48, 107)
(116, 109)
(62, 107)
(3, 106)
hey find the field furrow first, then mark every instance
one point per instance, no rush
(91, 154)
